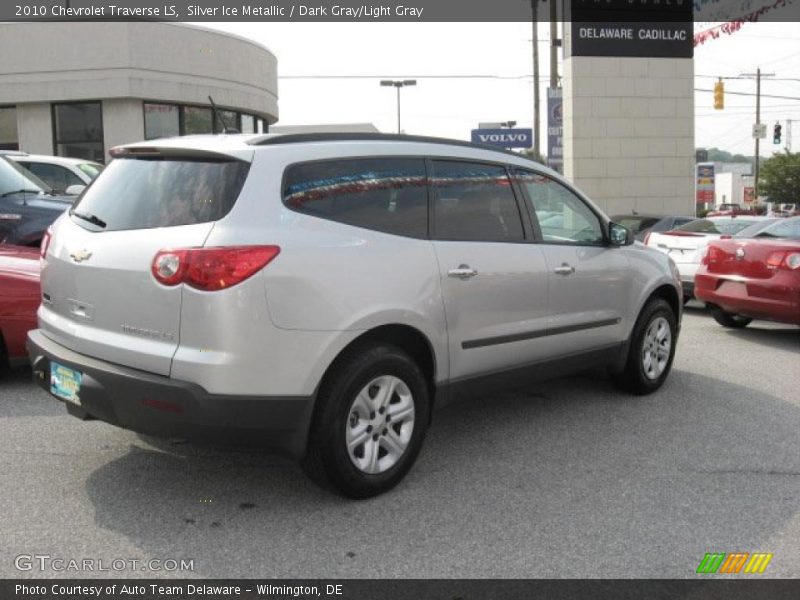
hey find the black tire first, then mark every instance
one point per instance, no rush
(327, 461)
(633, 377)
(730, 320)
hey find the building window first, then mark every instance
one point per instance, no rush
(170, 120)
(161, 120)
(197, 119)
(248, 124)
(8, 128)
(78, 130)
(229, 118)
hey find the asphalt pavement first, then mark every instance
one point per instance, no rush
(569, 478)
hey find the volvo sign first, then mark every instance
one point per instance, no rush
(504, 138)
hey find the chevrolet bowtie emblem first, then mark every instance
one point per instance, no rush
(80, 255)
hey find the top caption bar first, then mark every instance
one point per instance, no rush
(399, 11)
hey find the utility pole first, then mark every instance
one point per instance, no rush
(554, 44)
(397, 84)
(534, 24)
(758, 75)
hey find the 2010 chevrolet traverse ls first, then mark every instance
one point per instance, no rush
(322, 292)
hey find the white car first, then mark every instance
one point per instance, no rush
(687, 244)
(65, 175)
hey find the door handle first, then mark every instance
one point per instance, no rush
(564, 269)
(462, 272)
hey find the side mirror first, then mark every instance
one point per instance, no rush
(618, 235)
(74, 190)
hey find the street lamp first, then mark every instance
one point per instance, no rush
(398, 83)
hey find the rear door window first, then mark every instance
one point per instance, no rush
(474, 202)
(382, 194)
(148, 193)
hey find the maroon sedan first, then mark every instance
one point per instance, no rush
(20, 295)
(758, 278)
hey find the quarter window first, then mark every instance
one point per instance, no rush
(563, 217)
(474, 202)
(384, 194)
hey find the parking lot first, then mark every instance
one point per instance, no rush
(570, 478)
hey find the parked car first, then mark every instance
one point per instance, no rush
(728, 209)
(19, 298)
(68, 176)
(758, 278)
(641, 225)
(685, 245)
(321, 293)
(27, 205)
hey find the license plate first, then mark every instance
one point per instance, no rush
(65, 383)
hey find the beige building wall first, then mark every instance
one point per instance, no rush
(629, 132)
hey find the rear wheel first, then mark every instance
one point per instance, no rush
(731, 320)
(370, 421)
(652, 349)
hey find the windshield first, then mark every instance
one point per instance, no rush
(147, 193)
(723, 226)
(91, 169)
(14, 178)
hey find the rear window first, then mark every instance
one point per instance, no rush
(148, 193)
(720, 226)
(383, 194)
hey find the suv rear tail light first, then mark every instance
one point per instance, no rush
(211, 269)
(647, 237)
(787, 260)
(48, 235)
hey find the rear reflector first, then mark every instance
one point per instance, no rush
(211, 269)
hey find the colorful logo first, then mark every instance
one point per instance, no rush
(732, 563)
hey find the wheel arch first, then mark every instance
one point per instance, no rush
(409, 339)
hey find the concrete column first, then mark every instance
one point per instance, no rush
(629, 132)
(123, 122)
(35, 128)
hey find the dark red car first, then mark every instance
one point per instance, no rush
(20, 295)
(758, 278)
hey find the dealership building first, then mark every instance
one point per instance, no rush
(79, 90)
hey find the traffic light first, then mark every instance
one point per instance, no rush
(719, 95)
(776, 133)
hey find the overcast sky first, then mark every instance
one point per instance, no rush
(452, 107)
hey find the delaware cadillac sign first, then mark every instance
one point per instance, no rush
(644, 28)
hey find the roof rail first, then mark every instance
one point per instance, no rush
(298, 138)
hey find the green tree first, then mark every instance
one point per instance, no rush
(779, 178)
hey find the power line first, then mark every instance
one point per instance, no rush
(483, 76)
(751, 94)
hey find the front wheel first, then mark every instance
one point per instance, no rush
(370, 421)
(652, 349)
(731, 320)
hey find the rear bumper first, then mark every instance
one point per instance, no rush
(774, 302)
(163, 407)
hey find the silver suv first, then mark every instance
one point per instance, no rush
(323, 293)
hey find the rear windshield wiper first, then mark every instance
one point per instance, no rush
(89, 218)
(22, 191)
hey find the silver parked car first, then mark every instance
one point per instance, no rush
(322, 293)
